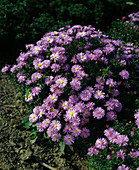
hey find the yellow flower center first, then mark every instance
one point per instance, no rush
(52, 110)
(54, 56)
(55, 125)
(75, 130)
(53, 98)
(99, 94)
(39, 64)
(76, 69)
(61, 82)
(100, 143)
(36, 77)
(63, 104)
(48, 39)
(85, 111)
(69, 139)
(111, 82)
(81, 33)
(81, 56)
(37, 49)
(29, 96)
(33, 117)
(63, 35)
(40, 113)
(71, 113)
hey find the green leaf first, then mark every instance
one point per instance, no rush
(34, 125)
(71, 148)
(45, 136)
(27, 93)
(33, 140)
(18, 94)
(62, 146)
(33, 131)
(28, 124)
(24, 120)
(130, 3)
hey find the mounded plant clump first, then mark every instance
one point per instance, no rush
(73, 79)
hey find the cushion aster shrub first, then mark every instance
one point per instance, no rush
(71, 79)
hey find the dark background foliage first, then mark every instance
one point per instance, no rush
(23, 22)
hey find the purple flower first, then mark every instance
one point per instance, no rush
(76, 131)
(35, 76)
(98, 52)
(33, 118)
(50, 132)
(5, 68)
(108, 132)
(62, 82)
(55, 137)
(108, 156)
(45, 123)
(85, 95)
(19, 74)
(123, 167)
(92, 151)
(55, 67)
(21, 79)
(113, 137)
(134, 154)
(120, 154)
(71, 113)
(75, 84)
(28, 82)
(99, 95)
(29, 97)
(68, 139)
(40, 127)
(76, 68)
(36, 91)
(124, 74)
(98, 113)
(45, 64)
(110, 82)
(49, 80)
(52, 98)
(56, 125)
(101, 143)
(81, 57)
(122, 140)
(111, 116)
(85, 133)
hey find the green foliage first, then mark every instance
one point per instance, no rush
(125, 31)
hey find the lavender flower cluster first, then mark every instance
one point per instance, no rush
(62, 117)
(123, 151)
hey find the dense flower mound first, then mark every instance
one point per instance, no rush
(76, 72)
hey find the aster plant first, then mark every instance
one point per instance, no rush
(71, 79)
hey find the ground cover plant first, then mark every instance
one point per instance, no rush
(74, 79)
